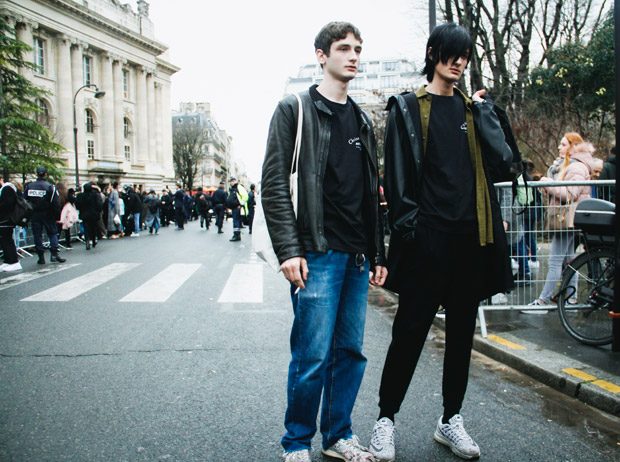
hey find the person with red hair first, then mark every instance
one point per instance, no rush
(573, 164)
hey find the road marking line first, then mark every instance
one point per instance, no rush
(605, 385)
(579, 374)
(506, 343)
(82, 284)
(244, 285)
(160, 287)
(20, 278)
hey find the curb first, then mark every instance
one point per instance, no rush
(592, 386)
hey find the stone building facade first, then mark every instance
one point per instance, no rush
(216, 164)
(124, 136)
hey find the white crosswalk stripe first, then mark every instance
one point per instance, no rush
(20, 278)
(82, 284)
(244, 285)
(159, 288)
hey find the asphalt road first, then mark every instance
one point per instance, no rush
(142, 360)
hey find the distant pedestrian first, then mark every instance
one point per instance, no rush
(326, 251)
(46, 210)
(68, 216)
(219, 205)
(251, 205)
(153, 204)
(133, 209)
(89, 205)
(203, 204)
(237, 203)
(166, 207)
(573, 164)
(609, 173)
(179, 211)
(8, 199)
(114, 212)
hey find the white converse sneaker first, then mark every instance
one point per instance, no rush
(382, 440)
(454, 436)
(349, 450)
(297, 456)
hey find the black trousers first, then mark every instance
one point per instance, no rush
(90, 230)
(8, 244)
(441, 269)
(179, 217)
(219, 216)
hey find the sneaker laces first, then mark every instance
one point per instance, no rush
(456, 432)
(383, 434)
(354, 451)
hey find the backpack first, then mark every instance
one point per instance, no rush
(153, 206)
(21, 214)
(232, 201)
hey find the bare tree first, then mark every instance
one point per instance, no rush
(188, 141)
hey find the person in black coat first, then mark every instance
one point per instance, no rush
(89, 206)
(219, 206)
(179, 213)
(8, 199)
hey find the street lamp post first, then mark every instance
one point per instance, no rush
(98, 94)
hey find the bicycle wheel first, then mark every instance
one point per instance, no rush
(586, 295)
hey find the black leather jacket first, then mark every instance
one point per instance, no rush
(291, 236)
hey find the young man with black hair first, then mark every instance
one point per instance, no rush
(447, 245)
(327, 247)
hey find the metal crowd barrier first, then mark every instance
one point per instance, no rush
(533, 248)
(24, 240)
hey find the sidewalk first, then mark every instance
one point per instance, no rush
(538, 346)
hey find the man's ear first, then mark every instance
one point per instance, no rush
(321, 57)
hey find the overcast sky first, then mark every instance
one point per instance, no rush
(237, 55)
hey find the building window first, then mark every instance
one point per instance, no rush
(389, 81)
(87, 68)
(127, 153)
(125, 84)
(90, 148)
(43, 115)
(39, 55)
(126, 127)
(90, 121)
(390, 66)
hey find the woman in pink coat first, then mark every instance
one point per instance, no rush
(574, 164)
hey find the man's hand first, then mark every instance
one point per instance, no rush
(377, 277)
(295, 270)
(479, 96)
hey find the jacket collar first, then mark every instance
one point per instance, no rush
(422, 93)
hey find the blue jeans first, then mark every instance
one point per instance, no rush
(136, 223)
(326, 349)
(236, 216)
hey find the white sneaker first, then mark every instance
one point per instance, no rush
(499, 299)
(382, 440)
(537, 302)
(349, 450)
(454, 436)
(297, 456)
(11, 267)
(135, 234)
(534, 264)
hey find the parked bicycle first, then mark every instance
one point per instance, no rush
(586, 292)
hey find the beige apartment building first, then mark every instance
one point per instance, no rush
(126, 135)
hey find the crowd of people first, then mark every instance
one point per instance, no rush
(111, 212)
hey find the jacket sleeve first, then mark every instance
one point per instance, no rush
(399, 181)
(496, 150)
(276, 195)
(575, 172)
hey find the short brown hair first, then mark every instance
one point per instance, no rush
(335, 30)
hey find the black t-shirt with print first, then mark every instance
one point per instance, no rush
(344, 182)
(447, 199)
